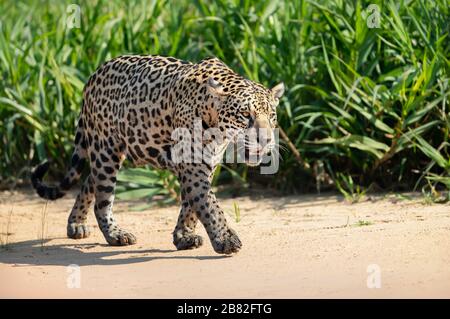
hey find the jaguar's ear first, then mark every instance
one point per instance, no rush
(214, 87)
(278, 91)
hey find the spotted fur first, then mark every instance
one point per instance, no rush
(131, 106)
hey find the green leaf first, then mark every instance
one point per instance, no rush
(138, 193)
(363, 143)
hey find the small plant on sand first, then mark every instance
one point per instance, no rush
(6, 232)
(433, 196)
(234, 212)
(361, 223)
(352, 193)
(237, 212)
(44, 226)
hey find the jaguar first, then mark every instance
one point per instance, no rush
(132, 107)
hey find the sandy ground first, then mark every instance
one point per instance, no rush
(294, 247)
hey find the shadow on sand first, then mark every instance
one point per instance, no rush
(32, 252)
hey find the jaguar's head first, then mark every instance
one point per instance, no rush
(249, 110)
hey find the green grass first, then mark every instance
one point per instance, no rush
(237, 212)
(352, 193)
(6, 231)
(362, 223)
(369, 104)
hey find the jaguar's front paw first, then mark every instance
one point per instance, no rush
(77, 231)
(227, 243)
(120, 237)
(186, 240)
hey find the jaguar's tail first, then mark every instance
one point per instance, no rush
(73, 174)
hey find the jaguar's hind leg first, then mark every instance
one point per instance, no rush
(105, 182)
(77, 227)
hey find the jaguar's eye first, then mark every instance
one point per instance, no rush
(246, 114)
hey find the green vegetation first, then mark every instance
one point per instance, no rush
(366, 105)
(144, 182)
(237, 212)
(6, 231)
(361, 223)
(352, 193)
